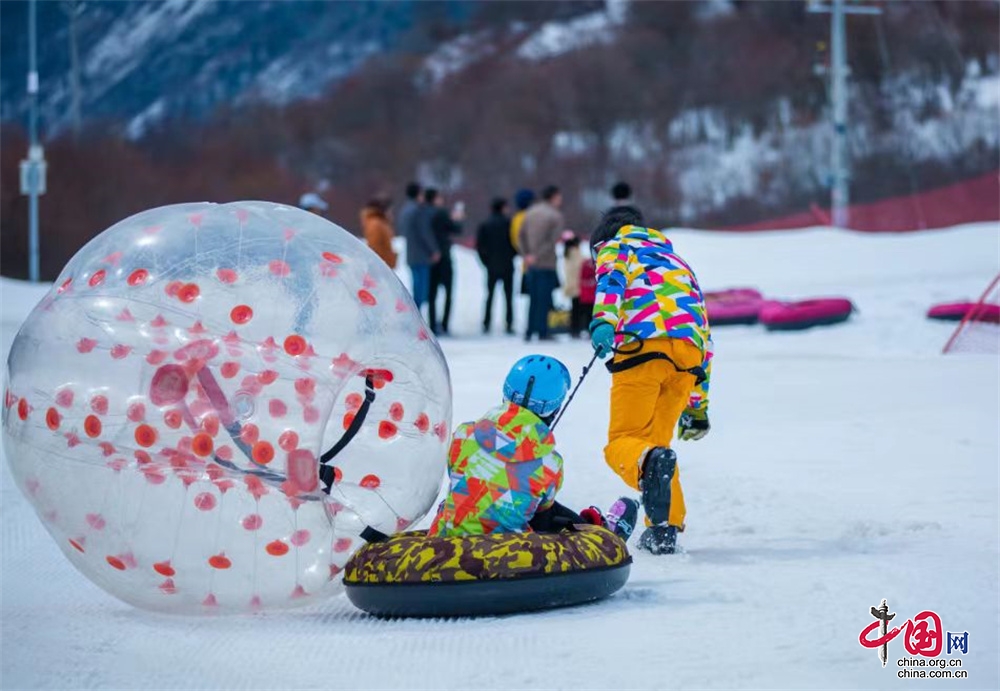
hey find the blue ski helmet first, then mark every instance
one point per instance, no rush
(538, 383)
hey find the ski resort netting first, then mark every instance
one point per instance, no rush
(979, 330)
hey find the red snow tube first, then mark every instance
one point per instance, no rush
(733, 306)
(956, 311)
(805, 314)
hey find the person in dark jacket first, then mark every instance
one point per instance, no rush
(543, 225)
(497, 254)
(444, 226)
(421, 246)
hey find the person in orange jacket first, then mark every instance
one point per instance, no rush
(377, 229)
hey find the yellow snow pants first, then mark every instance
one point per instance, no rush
(646, 403)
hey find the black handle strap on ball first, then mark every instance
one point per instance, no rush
(370, 534)
(326, 471)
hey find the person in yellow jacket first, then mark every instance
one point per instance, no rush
(650, 312)
(523, 198)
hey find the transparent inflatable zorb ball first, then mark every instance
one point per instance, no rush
(215, 403)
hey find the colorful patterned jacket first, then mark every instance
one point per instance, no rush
(502, 469)
(644, 288)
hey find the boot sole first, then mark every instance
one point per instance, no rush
(660, 466)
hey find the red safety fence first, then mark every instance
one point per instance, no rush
(970, 201)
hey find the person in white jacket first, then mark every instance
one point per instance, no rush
(579, 318)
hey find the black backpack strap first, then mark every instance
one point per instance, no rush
(642, 358)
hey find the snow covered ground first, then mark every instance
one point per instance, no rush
(845, 465)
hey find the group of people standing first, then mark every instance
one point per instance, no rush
(533, 233)
(430, 229)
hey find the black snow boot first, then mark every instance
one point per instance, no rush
(657, 473)
(659, 539)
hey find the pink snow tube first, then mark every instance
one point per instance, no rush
(733, 306)
(956, 311)
(791, 316)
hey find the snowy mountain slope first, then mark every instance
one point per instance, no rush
(845, 465)
(558, 37)
(144, 61)
(185, 57)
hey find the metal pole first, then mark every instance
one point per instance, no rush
(33, 138)
(838, 160)
(583, 375)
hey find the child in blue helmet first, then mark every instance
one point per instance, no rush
(504, 471)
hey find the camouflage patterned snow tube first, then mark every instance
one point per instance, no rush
(412, 574)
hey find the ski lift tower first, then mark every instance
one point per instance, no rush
(33, 168)
(840, 172)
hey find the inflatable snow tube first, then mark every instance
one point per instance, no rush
(414, 575)
(956, 311)
(733, 306)
(805, 314)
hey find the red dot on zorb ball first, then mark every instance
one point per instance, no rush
(263, 452)
(92, 426)
(169, 385)
(172, 419)
(342, 544)
(386, 429)
(145, 435)
(249, 434)
(305, 386)
(279, 267)
(97, 278)
(164, 568)
(423, 423)
(276, 548)
(241, 314)
(188, 292)
(136, 412)
(277, 408)
(202, 444)
(295, 345)
(366, 297)
(99, 404)
(219, 561)
(137, 277)
(288, 440)
(268, 376)
(204, 501)
(396, 411)
(370, 482)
